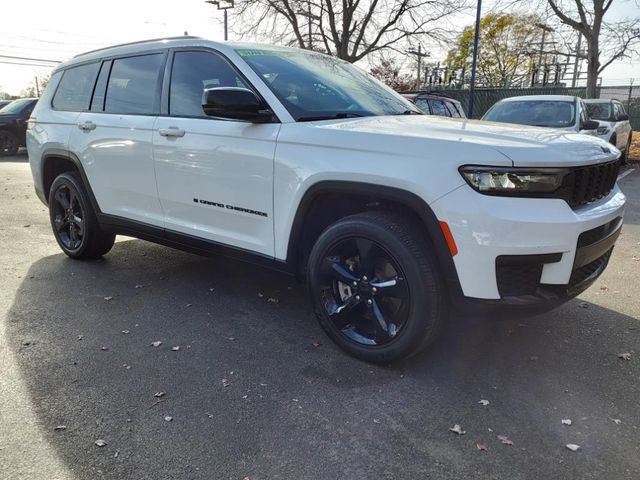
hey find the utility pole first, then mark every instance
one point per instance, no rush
(37, 87)
(545, 29)
(420, 54)
(474, 60)
(223, 5)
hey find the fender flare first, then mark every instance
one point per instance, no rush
(381, 192)
(67, 155)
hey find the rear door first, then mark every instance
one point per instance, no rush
(215, 176)
(114, 138)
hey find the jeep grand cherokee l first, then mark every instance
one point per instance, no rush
(301, 161)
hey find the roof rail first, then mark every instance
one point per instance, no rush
(139, 42)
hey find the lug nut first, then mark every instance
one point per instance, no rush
(355, 284)
(374, 289)
(357, 297)
(369, 302)
(364, 278)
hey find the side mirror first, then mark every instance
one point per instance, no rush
(590, 125)
(623, 117)
(235, 103)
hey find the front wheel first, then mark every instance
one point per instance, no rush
(73, 220)
(376, 286)
(8, 143)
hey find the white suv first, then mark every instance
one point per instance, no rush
(614, 127)
(301, 161)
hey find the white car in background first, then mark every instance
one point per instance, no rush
(614, 127)
(562, 112)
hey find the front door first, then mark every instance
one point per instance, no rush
(215, 176)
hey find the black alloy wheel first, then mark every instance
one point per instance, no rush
(364, 291)
(376, 286)
(68, 217)
(74, 221)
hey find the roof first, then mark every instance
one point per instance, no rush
(541, 98)
(163, 43)
(599, 100)
(439, 96)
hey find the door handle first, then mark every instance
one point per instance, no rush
(171, 132)
(86, 126)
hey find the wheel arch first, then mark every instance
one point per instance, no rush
(371, 197)
(56, 161)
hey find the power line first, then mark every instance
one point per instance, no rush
(11, 57)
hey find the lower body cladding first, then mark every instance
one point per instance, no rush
(529, 251)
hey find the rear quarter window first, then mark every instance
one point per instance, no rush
(75, 88)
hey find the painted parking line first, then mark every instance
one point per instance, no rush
(625, 173)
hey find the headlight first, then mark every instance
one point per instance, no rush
(513, 181)
(603, 130)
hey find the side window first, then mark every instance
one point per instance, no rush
(583, 113)
(191, 74)
(75, 88)
(621, 109)
(438, 108)
(423, 105)
(133, 85)
(617, 110)
(453, 109)
(97, 103)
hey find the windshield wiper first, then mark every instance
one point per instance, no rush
(330, 117)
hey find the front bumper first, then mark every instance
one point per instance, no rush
(527, 251)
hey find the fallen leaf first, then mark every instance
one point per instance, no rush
(482, 447)
(108, 298)
(126, 332)
(159, 394)
(505, 440)
(260, 295)
(157, 343)
(375, 420)
(225, 382)
(79, 337)
(604, 288)
(316, 343)
(457, 429)
(176, 348)
(189, 304)
(100, 443)
(211, 289)
(273, 300)
(566, 421)
(484, 402)
(573, 447)
(583, 305)
(624, 356)
(104, 348)
(231, 338)
(168, 418)
(139, 286)
(533, 358)
(617, 421)
(60, 428)
(210, 415)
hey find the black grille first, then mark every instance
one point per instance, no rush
(592, 183)
(582, 274)
(596, 234)
(516, 280)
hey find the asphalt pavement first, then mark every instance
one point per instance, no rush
(244, 384)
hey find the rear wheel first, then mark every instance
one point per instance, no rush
(8, 143)
(73, 220)
(376, 287)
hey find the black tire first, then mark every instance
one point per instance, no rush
(406, 311)
(73, 220)
(9, 143)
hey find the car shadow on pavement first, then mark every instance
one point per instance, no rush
(20, 157)
(239, 386)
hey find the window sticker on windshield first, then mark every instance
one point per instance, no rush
(257, 53)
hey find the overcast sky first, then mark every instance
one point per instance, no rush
(57, 30)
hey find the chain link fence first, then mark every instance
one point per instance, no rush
(484, 98)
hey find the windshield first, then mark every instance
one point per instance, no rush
(312, 86)
(599, 111)
(541, 113)
(16, 106)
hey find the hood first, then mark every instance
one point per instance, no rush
(523, 145)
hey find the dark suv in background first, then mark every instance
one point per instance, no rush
(13, 124)
(432, 104)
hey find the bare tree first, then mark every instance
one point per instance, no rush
(607, 41)
(348, 29)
